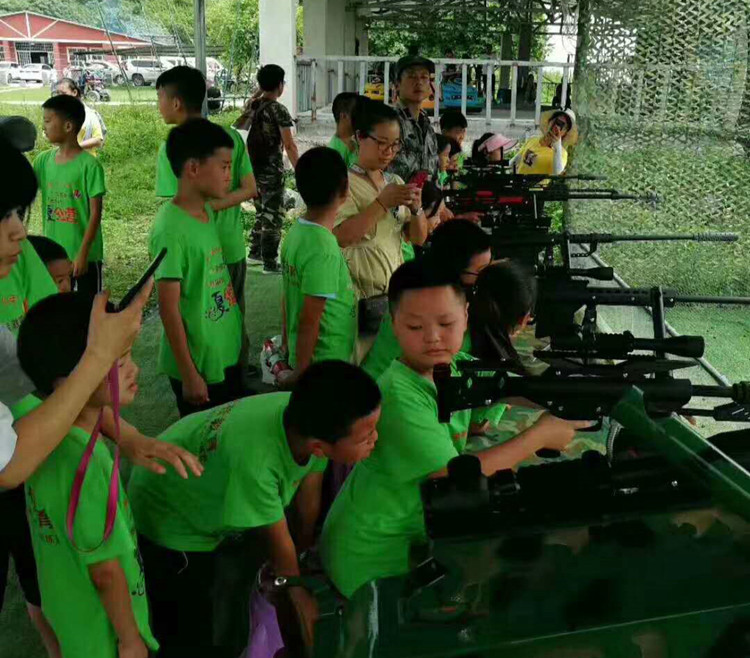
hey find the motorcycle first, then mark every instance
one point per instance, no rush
(94, 89)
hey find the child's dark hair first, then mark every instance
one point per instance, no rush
(52, 338)
(480, 157)
(321, 176)
(432, 196)
(369, 113)
(452, 119)
(196, 139)
(419, 274)
(344, 103)
(19, 181)
(69, 108)
(186, 83)
(71, 84)
(444, 142)
(47, 249)
(270, 77)
(455, 243)
(328, 398)
(504, 294)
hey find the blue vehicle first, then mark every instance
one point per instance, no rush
(451, 97)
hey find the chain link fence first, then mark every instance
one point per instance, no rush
(663, 98)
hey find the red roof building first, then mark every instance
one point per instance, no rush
(27, 37)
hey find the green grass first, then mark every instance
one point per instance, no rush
(118, 94)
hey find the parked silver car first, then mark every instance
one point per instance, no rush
(8, 72)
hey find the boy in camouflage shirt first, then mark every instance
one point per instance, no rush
(270, 130)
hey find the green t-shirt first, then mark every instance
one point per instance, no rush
(407, 249)
(207, 303)
(250, 476)
(228, 222)
(66, 191)
(378, 513)
(313, 264)
(338, 145)
(28, 282)
(69, 599)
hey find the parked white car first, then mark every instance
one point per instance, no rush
(43, 73)
(9, 71)
(144, 71)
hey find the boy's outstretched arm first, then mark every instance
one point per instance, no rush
(194, 387)
(247, 190)
(112, 587)
(40, 432)
(81, 262)
(147, 452)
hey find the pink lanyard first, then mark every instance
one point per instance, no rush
(114, 481)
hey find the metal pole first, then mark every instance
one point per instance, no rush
(539, 91)
(488, 89)
(340, 76)
(114, 52)
(387, 83)
(314, 91)
(362, 77)
(464, 84)
(513, 92)
(199, 37)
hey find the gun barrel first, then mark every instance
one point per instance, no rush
(620, 345)
(607, 238)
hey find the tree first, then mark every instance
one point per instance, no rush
(232, 25)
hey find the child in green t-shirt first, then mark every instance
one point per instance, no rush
(319, 303)
(56, 261)
(72, 185)
(448, 151)
(377, 518)
(343, 141)
(92, 584)
(181, 91)
(260, 454)
(462, 249)
(200, 349)
(453, 124)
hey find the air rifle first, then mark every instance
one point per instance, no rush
(583, 396)
(538, 249)
(558, 300)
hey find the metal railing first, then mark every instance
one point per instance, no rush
(351, 73)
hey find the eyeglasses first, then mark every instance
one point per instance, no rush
(385, 147)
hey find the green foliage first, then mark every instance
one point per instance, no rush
(81, 11)
(233, 26)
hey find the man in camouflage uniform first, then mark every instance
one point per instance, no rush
(419, 151)
(270, 131)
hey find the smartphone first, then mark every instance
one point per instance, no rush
(419, 179)
(130, 295)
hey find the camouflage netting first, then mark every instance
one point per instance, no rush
(663, 97)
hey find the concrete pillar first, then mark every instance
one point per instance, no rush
(278, 43)
(60, 57)
(363, 37)
(315, 43)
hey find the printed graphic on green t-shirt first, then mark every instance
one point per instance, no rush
(313, 265)
(66, 191)
(207, 303)
(70, 601)
(250, 476)
(338, 145)
(229, 223)
(28, 282)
